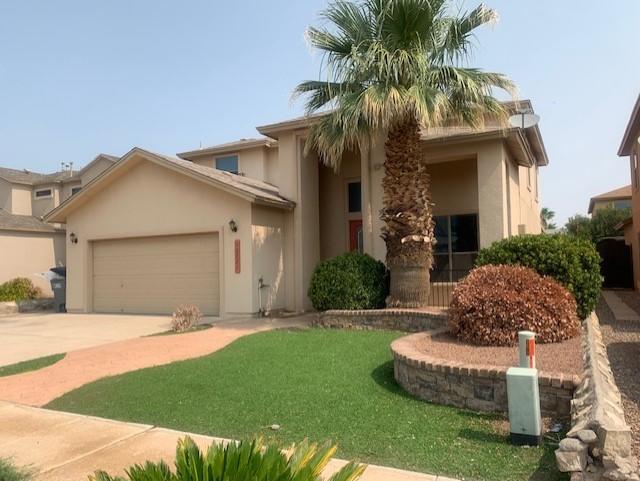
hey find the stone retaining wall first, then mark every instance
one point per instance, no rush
(407, 320)
(598, 446)
(476, 387)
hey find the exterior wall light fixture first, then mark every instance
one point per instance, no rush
(73, 238)
(233, 225)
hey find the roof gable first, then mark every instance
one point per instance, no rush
(249, 189)
(620, 193)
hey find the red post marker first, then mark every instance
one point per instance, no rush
(236, 251)
(531, 351)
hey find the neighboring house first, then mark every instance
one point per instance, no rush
(29, 245)
(619, 198)
(630, 147)
(239, 227)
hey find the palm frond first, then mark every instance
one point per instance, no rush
(385, 60)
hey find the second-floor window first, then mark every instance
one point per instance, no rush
(354, 197)
(75, 190)
(622, 204)
(228, 163)
(43, 193)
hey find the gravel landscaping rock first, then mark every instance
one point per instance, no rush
(562, 357)
(623, 347)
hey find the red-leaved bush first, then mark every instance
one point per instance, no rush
(493, 303)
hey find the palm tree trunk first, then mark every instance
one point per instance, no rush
(408, 229)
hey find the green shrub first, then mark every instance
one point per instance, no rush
(349, 281)
(493, 303)
(18, 289)
(244, 461)
(9, 472)
(573, 262)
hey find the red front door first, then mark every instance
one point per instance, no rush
(355, 234)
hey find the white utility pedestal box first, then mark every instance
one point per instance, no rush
(524, 406)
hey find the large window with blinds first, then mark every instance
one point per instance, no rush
(456, 248)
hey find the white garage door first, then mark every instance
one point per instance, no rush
(154, 275)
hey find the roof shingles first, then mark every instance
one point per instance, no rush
(26, 223)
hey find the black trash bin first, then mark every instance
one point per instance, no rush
(59, 288)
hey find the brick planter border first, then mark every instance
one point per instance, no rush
(407, 320)
(476, 387)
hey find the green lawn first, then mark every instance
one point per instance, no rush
(320, 384)
(30, 365)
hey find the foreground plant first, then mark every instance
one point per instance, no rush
(9, 472)
(396, 67)
(243, 461)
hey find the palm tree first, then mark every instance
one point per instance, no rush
(397, 66)
(546, 218)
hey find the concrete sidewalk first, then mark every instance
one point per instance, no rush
(621, 311)
(69, 447)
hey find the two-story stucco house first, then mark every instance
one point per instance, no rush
(28, 245)
(630, 147)
(238, 228)
(619, 198)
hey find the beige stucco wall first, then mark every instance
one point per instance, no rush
(334, 227)
(67, 187)
(26, 254)
(252, 162)
(94, 170)
(5, 195)
(43, 205)
(489, 197)
(146, 199)
(529, 202)
(268, 233)
(272, 170)
(454, 187)
(298, 181)
(633, 237)
(21, 200)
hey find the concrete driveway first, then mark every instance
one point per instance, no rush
(28, 336)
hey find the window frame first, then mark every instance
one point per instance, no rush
(42, 197)
(75, 190)
(227, 156)
(450, 253)
(350, 216)
(348, 182)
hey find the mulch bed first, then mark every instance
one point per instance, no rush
(623, 347)
(563, 357)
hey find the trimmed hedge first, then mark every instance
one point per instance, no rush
(349, 281)
(571, 261)
(18, 289)
(493, 303)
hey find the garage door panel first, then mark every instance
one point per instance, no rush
(156, 274)
(146, 265)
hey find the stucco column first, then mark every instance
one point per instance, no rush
(376, 165)
(492, 194)
(299, 182)
(367, 213)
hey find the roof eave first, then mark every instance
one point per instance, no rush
(59, 213)
(632, 128)
(216, 150)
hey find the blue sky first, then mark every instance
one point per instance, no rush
(80, 77)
